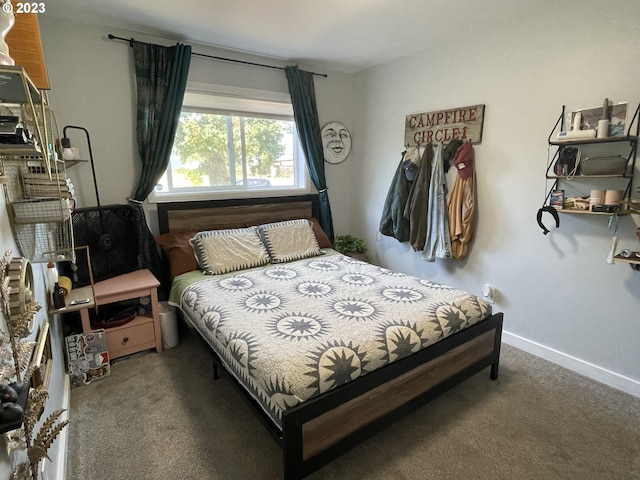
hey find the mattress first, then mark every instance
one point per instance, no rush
(290, 332)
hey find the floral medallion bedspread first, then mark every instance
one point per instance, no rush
(289, 332)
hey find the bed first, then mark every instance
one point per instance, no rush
(326, 348)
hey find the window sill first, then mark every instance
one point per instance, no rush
(252, 193)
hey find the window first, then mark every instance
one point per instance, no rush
(233, 142)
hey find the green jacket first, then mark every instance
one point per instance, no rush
(393, 223)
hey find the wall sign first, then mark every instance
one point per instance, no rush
(442, 126)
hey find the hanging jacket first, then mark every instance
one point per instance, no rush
(438, 242)
(461, 205)
(449, 152)
(393, 223)
(417, 207)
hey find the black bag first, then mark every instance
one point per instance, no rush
(567, 161)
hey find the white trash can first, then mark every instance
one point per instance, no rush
(168, 324)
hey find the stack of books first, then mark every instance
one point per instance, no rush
(39, 185)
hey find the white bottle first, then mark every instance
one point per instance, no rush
(52, 276)
(577, 121)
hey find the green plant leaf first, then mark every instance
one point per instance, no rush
(349, 244)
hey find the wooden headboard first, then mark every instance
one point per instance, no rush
(233, 213)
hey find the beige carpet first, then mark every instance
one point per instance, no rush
(164, 417)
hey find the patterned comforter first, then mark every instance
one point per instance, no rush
(289, 332)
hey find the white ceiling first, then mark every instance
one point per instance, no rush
(343, 35)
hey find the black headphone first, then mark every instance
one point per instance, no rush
(554, 214)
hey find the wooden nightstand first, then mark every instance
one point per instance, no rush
(141, 333)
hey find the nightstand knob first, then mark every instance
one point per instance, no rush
(125, 339)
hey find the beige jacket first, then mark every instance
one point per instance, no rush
(461, 207)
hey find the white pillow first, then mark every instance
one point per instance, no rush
(290, 240)
(222, 251)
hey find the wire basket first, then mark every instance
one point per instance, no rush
(39, 197)
(39, 205)
(44, 242)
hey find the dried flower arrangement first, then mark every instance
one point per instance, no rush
(15, 356)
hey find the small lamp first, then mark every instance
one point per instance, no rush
(66, 144)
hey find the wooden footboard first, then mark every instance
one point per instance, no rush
(323, 428)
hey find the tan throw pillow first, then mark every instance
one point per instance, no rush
(222, 251)
(289, 240)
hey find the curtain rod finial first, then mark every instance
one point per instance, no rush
(111, 36)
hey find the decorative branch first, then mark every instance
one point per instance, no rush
(35, 407)
(38, 446)
(48, 433)
(25, 352)
(4, 284)
(18, 329)
(15, 356)
(22, 472)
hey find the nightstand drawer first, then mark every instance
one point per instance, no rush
(137, 335)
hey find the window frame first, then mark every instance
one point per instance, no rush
(245, 191)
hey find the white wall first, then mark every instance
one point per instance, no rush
(93, 87)
(560, 298)
(6, 244)
(58, 385)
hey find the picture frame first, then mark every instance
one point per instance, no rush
(591, 115)
(87, 357)
(42, 358)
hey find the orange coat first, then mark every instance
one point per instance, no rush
(462, 203)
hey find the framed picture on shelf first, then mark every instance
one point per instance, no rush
(42, 358)
(590, 116)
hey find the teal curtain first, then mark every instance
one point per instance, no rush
(161, 78)
(305, 111)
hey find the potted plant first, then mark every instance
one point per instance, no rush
(351, 246)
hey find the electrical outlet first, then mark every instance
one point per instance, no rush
(488, 292)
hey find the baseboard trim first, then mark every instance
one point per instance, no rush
(61, 464)
(599, 374)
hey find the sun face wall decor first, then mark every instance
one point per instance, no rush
(336, 142)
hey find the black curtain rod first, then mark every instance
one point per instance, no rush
(131, 40)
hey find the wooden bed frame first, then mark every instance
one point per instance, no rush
(326, 426)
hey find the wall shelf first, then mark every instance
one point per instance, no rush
(612, 162)
(633, 261)
(576, 211)
(593, 141)
(73, 163)
(38, 195)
